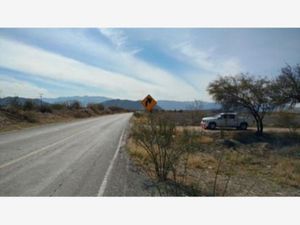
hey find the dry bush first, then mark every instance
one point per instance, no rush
(96, 108)
(29, 105)
(45, 109)
(58, 106)
(288, 120)
(156, 136)
(31, 117)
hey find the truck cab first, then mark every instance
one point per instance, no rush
(224, 120)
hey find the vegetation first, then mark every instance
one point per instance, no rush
(188, 161)
(244, 91)
(287, 86)
(20, 112)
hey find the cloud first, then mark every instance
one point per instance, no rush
(119, 39)
(14, 87)
(137, 80)
(116, 36)
(206, 60)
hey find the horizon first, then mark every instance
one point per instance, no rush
(108, 99)
(170, 64)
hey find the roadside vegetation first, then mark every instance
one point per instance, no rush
(18, 115)
(182, 159)
(188, 161)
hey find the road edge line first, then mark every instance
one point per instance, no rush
(108, 171)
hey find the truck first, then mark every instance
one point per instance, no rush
(224, 120)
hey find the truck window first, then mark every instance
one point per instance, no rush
(232, 116)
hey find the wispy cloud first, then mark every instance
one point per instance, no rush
(206, 59)
(14, 87)
(146, 79)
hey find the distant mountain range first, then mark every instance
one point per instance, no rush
(84, 100)
(126, 104)
(19, 100)
(187, 105)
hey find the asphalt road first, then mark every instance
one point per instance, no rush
(66, 159)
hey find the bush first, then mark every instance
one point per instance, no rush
(30, 117)
(156, 135)
(96, 107)
(74, 105)
(14, 105)
(45, 109)
(29, 105)
(116, 109)
(289, 120)
(58, 106)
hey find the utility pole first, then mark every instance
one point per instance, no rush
(41, 99)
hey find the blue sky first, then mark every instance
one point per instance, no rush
(173, 64)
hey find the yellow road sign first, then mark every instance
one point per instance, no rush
(149, 103)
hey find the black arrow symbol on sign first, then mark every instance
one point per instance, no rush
(148, 101)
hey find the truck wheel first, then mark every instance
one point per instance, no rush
(243, 126)
(212, 126)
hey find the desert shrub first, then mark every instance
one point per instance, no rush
(116, 109)
(73, 105)
(45, 109)
(289, 120)
(29, 105)
(96, 107)
(30, 117)
(157, 136)
(137, 114)
(58, 106)
(14, 105)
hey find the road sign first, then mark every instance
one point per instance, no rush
(149, 103)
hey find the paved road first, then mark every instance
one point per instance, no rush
(67, 159)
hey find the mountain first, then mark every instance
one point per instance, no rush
(84, 100)
(187, 105)
(18, 100)
(126, 104)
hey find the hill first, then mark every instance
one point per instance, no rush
(126, 104)
(187, 105)
(84, 100)
(18, 100)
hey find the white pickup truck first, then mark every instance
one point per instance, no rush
(224, 120)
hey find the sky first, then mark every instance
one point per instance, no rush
(169, 64)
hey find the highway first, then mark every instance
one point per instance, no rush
(64, 159)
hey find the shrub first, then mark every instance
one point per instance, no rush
(58, 106)
(156, 135)
(73, 105)
(28, 105)
(289, 120)
(96, 107)
(14, 105)
(45, 109)
(116, 109)
(30, 117)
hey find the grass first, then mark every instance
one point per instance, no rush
(255, 166)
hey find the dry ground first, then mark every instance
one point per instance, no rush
(236, 163)
(20, 119)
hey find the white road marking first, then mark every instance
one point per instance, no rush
(39, 150)
(104, 182)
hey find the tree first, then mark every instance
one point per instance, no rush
(286, 87)
(253, 94)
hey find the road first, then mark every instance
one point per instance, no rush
(66, 159)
